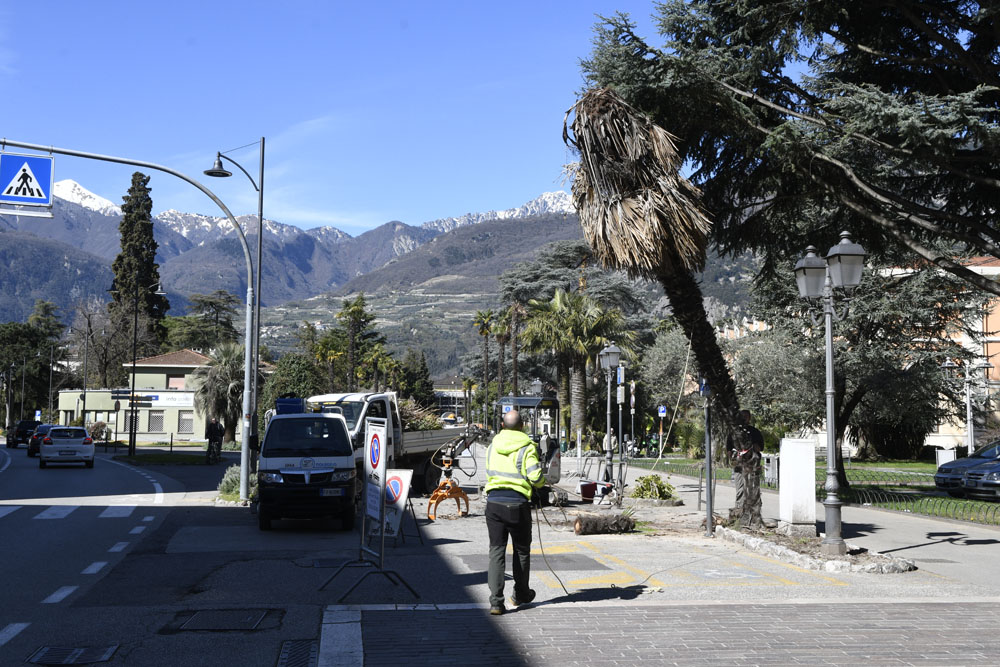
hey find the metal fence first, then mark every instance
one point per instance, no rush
(870, 488)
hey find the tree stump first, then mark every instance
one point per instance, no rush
(596, 524)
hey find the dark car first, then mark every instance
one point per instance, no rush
(949, 475)
(982, 481)
(22, 432)
(35, 441)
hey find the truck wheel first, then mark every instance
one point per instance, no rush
(430, 478)
(263, 520)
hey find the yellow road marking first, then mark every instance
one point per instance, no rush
(639, 574)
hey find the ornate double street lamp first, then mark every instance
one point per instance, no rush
(219, 171)
(817, 279)
(972, 375)
(536, 387)
(608, 359)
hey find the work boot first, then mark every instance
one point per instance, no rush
(527, 599)
(497, 610)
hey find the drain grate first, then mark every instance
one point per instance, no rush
(225, 619)
(57, 655)
(299, 653)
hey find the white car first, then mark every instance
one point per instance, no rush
(66, 444)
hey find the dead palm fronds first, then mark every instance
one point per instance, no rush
(638, 213)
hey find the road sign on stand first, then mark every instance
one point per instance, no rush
(26, 180)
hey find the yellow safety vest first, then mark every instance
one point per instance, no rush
(512, 463)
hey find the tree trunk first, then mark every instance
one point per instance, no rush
(577, 395)
(486, 381)
(594, 524)
(562, 395)
(688, 309)
(515, 326)
(500, 355)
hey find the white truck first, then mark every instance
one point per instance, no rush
(406, 449)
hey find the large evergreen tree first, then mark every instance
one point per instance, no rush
(135, 269)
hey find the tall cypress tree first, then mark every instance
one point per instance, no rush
(135, 266)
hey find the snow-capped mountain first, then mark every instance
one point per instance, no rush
(75, 193)
(548, 202)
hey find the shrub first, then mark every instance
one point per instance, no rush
(230, 484)
(99, 431)
(653, 486)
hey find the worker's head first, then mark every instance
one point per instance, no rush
(744, 416)
(215, 420)
(512, 420)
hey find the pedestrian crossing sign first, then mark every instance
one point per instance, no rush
(26, 180)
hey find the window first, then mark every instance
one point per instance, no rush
(185, 421)
(131, 420)
(175, 382)
(155, 421)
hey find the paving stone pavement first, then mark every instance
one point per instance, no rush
(672, 596)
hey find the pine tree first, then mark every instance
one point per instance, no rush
(135, 268)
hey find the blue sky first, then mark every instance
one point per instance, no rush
(372, 111)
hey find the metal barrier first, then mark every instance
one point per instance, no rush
(940, 506)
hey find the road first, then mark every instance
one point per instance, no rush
(139, 566)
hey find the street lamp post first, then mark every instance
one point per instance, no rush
(971, 373)
(24, 364)
(608, 360)
(133, 418)
(247, 345)
(218, 171)
(816, 279)
(52, 349)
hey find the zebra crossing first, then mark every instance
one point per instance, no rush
(56, 512)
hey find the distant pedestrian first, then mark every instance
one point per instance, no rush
(214, 432)
(512, 472)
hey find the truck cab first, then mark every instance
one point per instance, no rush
(306, 469)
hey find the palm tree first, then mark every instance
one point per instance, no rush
(484, 322)
(501, 331)
(220, 387)
(640, 215)
(517, 314)
(467, 385)
(575, 328)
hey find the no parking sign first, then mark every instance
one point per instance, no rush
(375, 441)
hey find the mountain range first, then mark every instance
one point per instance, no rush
(66, 259)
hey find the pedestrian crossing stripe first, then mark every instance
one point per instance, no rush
(24, 184)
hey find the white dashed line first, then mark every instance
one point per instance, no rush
(148, 518)
(11, 631)
(121, 546)
(7, 509)
(56, 512)
(137, 530)
(60, 595)
(117, 511)
(95, 567)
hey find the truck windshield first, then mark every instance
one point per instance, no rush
(350, 409)
(307, 437)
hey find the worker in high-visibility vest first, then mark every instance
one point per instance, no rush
(512, 471)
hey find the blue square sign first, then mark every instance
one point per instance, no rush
(26, 180)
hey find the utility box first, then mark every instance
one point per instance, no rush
(797, 487)
(944, 455)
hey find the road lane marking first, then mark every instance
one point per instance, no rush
(137, 530)
(56, 512)
(639, 574)
(60, 595)
(95, 567)
(117, 512)
(11, 631)
(7, 509)
(158, 498)
(121, 546)
(148, 518)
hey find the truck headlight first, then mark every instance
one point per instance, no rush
(271, 478)
(343, 475)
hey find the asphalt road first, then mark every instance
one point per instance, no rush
(141, 564)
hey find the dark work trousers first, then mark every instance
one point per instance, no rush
(503, 520)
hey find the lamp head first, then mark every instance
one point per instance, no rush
(846, 260)
(536, 386)
(609, 356)
(217, 169)
(810, 274)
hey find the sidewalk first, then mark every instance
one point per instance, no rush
(670, 595)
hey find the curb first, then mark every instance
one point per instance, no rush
(891, 565)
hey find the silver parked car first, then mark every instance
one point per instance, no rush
(949, 475)
(66, 444)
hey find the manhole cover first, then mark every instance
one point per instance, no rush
(227, 619)
(299, 653)
(58, 655)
